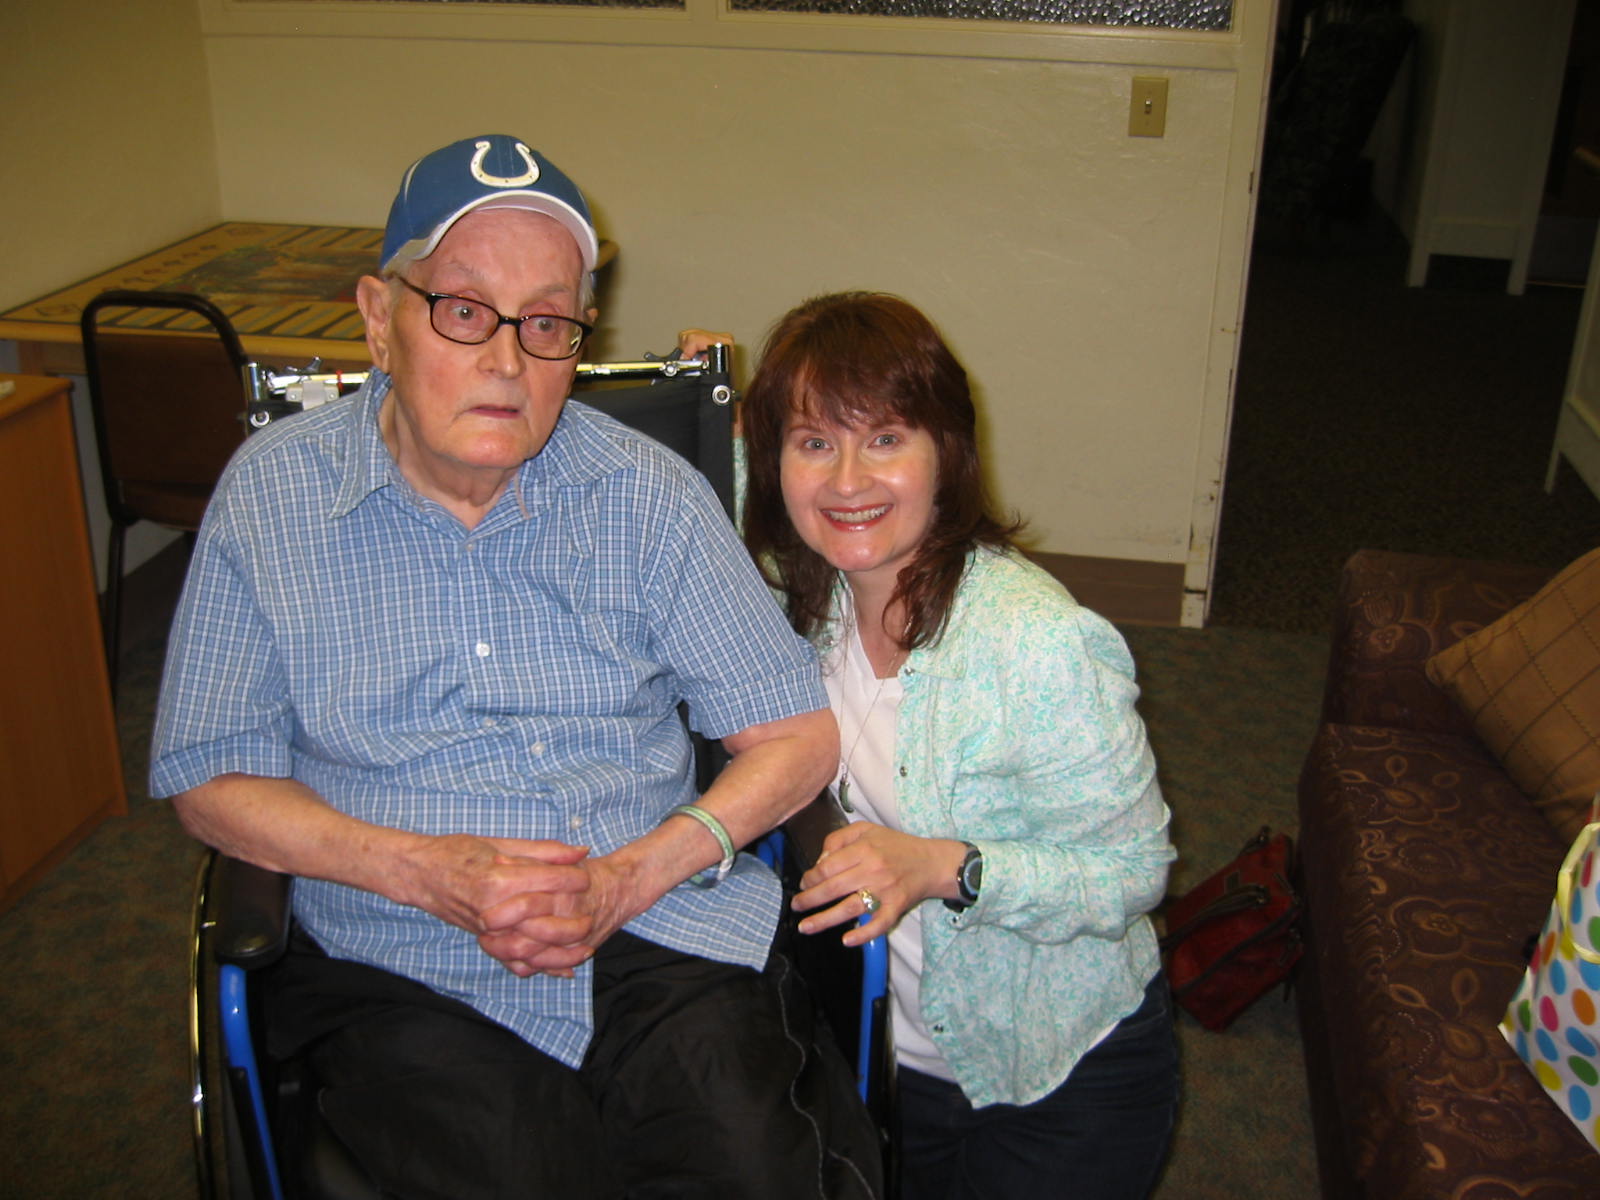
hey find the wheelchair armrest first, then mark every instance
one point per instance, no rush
(809, 827)
(250, 911)
(867, 1022)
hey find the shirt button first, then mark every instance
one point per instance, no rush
(902, 771)
(490, 722)
(537, 748)
(481, 649)
(938, 1028)
(575, 823)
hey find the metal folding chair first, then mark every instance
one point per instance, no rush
(169, 411)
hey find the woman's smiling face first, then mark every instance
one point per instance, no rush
(860, 495)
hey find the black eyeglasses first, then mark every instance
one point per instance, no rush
(472, 322)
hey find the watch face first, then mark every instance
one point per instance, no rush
(972, 873)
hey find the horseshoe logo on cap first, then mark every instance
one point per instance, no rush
(483, 177)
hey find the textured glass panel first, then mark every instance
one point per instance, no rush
(1165, 14)
(576, 3)
(1169, 14)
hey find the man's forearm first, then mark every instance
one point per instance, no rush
(284, 826)
(775, 771)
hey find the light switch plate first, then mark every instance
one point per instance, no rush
(1147, 111)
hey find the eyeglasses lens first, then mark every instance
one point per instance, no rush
(550, 337)
(463, 320)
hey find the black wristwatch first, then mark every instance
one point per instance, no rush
(969, 878)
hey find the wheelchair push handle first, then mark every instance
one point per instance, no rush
(276, 392)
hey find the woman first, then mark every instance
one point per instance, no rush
(1007, 828)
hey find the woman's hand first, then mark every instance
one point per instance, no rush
(693, 343)
(900, 869)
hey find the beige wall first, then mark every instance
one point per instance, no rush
(105, 136)
(1090, 281)
(106, 152)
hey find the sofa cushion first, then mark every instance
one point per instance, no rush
(1394, 612)
(1425, 873)
(1530, 684)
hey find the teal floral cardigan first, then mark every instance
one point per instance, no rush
(1018, 733)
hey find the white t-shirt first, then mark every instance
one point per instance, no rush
(868, 709)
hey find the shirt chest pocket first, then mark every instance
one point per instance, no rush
(581, 646)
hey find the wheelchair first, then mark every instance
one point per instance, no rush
(244, 1105)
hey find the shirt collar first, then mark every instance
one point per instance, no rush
(368, 463)
(948, 657)
(578, 452)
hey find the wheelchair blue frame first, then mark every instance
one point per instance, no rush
(239, 1047)
(874, 989)
(874, 979)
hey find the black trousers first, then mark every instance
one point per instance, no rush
(702, 1080)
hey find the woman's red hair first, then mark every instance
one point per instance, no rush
(857, 358)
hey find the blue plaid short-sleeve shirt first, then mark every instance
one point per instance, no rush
(520, 679)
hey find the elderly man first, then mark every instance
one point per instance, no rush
(429, 660)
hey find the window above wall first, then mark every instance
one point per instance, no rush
(1162, 14)
(1201, 34)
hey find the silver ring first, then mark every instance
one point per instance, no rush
(868, 901)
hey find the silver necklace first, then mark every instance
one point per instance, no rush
(844, 763)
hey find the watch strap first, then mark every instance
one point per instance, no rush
(969, 878)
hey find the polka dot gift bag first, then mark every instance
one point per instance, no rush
(1553, 1022)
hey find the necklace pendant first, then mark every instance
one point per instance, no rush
(844, 791)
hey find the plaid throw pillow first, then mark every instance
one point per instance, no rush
(1530, 685)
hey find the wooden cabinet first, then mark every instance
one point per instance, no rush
(60, 766)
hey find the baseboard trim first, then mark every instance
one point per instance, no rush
(1129, 591)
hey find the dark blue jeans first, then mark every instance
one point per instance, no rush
(1101, 1134)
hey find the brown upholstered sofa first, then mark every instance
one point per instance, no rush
(1425, 872)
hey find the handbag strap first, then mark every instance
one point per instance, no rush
(1251, 895)
(1242, 899)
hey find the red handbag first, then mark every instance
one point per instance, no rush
(1237, 935)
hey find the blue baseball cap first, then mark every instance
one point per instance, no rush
(493, 171)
